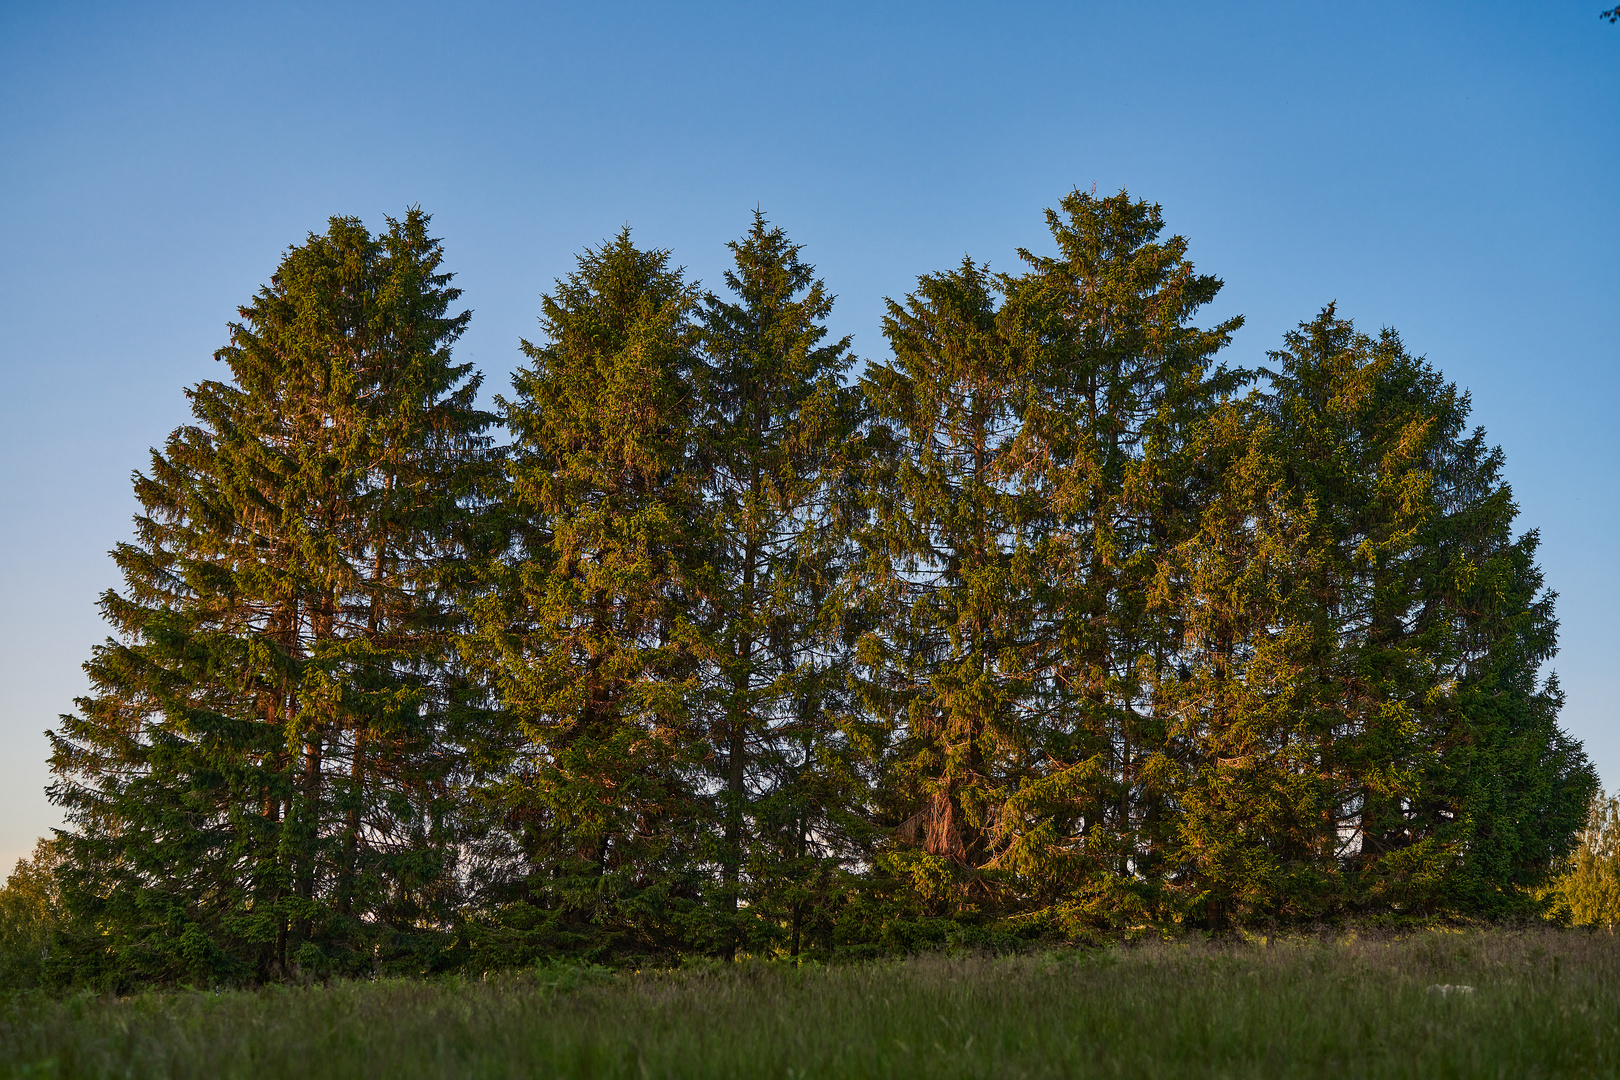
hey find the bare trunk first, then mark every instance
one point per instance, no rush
(736, 755)
(351, 831)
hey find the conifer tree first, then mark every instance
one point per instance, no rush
(1256, 833)
(777, 445)
(263, 774)
(1122, 383)
(596, 621)
(951, 565)
(1457, 789)
(1040, 620)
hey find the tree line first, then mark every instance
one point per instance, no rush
(1052, 624)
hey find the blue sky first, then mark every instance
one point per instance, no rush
(1449, 169)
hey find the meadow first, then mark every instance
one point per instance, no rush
(1543, 1003)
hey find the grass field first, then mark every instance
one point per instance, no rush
(1545, 1003)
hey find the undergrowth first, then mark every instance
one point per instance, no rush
(1543, 1003)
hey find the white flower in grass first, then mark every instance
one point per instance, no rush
(1447, 989)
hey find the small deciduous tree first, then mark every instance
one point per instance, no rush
(30, 909)
(1589, 886)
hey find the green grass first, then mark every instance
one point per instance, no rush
(1546, 1003)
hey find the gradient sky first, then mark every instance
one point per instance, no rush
(1448, 169)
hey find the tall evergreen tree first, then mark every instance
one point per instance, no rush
(1122, 383)
(595, 622)
(1255, 825)
(951, 562)
(778, 440)
(1458, 788)
(1042, 619)
(263, 773)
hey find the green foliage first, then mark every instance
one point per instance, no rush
(262, 780)
(1433, 627)
(1589, 888)
(1120, 384)
(593, 622)
(30, 909)
(778, 442)
(1256, 839)
(949, 555)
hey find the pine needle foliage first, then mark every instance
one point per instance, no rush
(779, 441)
(1122, 384)
(596, 624)
(262, 779)
(951, 557)
(1255, 837)
(1453, 786)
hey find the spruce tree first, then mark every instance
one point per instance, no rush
(1256, 836)
(777, 444)
(951, 564)
(263, 774)
(1456, 788)
(1121, 382)
(1040, 620)
(596, 622)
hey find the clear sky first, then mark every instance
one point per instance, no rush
(1450, 169)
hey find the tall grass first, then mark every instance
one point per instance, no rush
(1546, 1003)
